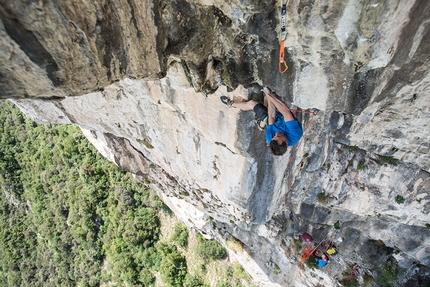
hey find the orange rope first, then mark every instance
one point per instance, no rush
(306, 253)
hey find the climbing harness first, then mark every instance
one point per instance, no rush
(282, 65)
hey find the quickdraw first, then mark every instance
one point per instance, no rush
(282, 65)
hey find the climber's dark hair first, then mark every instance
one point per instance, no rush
(278, 149)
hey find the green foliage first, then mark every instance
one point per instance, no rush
(361, 166)
(173, 267)
(202, 267)
(328, 165)
(66, 212)
(311, 262)
(350, 282)
(337, 225)
(223, 284)
(348, 279)
(387, 274)
(276, 270)
(193, 281)
(399, 199)
(389, 160)
(146, 278)
(210, 249)
(322, 197)
(180, 235)
(239, 272)
(229, 272)
(353, 149)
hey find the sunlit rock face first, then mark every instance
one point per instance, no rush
(143, 80)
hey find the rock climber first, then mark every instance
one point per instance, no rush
(320, 258)
(322, 261)
(282, 128)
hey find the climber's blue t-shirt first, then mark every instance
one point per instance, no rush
(321, 262)
(292, 129)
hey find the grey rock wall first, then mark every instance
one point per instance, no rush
(143, 80)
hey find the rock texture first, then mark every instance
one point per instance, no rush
(143, 80)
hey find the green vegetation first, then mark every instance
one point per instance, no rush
(276, 270)
(210, 249)
(68, 214)
(361, 166)
(348, 279)
(69, 217)
(354, 149)
(389, 160)
(180, 235)
(223, 284)
(311, 263)
(388, 274)
(328, 166)
(350, 282)
(173, 266)
(337, 225)
(296, 244)
(239, 272)
(399, 199)
(193, 281)
(322, 197)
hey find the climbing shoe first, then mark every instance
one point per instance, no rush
(226, 101)
(261, 124)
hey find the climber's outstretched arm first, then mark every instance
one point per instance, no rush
(271, 112)
(279, 105)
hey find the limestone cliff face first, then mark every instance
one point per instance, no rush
(143, 80)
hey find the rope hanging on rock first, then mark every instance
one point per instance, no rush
(282, 65)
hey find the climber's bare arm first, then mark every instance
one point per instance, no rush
(271, 112)
(278, 104)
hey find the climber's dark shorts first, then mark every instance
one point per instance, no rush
(260, 112)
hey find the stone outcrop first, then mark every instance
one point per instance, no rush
(143, 80)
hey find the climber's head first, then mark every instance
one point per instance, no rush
(279, 144)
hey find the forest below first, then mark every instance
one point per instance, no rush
(69, 217)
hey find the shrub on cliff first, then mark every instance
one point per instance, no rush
(173, 267)
(388, 274)
(180, 235)
(210, 249)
